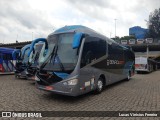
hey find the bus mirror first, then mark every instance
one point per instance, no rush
(36, 41)
(16, 53)
(77, 40)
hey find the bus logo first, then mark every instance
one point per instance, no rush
(114, 62)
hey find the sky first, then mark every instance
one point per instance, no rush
(25, 20)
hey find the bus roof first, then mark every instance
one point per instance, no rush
(81, 29)
(6, 50)
(25, 48)
(3, 48)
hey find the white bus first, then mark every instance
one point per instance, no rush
(144, 64)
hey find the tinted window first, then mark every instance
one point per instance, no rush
(7, 57)
(129, 56)
(25, 57)
(93, 49)
(66, 57)
(115, 51)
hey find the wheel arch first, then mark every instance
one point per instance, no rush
(102, 76)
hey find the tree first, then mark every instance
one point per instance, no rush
(128, 37)
(154, 24)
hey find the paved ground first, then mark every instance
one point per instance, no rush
(141, 93)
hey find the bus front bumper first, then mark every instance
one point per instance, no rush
(142, 70)
(58, 88)
(21, 74)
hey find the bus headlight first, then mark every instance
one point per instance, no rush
(36, 78)
(26, 72)
(71, 82)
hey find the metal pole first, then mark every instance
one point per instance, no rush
(110, 34)
(115, 28)
(17, 38)
(3, 39)
(32, 35)
(147, 51)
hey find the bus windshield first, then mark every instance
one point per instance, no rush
(35, 54)
(60, 55)
(25, 57)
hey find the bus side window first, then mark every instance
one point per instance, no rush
(115, 52)
(93, 49)
(1, 58)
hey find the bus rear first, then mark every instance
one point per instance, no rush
(141, 64)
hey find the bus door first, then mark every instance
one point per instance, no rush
(93, 49)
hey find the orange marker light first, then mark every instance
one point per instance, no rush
(49, 88)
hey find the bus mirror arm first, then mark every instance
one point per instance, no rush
(36, 41)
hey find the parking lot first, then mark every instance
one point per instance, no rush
(141, 93)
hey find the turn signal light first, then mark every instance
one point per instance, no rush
(49, 88)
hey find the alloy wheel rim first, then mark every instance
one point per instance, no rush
(100, 85)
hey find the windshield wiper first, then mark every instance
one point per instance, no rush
(35, 58)
(53, 56)
(60, 63)
(50, 57)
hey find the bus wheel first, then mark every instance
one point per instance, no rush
(100, 86)
(16, 76)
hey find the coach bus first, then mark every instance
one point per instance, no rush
(7, 62)
(22, 62)
(144, 64)
(33, 55)
(79, 60)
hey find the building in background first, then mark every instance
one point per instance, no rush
(138, 32)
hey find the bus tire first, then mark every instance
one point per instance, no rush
(16, 76)
(99, 86)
